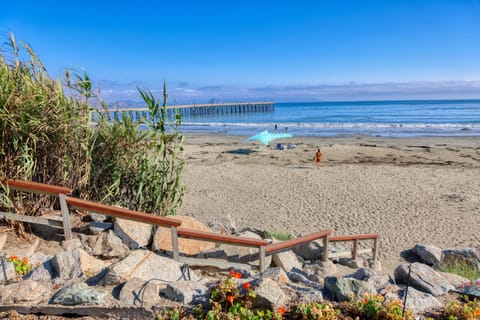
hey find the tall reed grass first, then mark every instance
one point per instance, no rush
(45, 136)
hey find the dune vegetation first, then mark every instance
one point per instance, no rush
(47, 135)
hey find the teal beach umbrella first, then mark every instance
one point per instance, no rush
(265, 137)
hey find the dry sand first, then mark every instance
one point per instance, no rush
(424, 190)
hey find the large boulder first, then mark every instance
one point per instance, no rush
(145, 265)
(312, 250)
(162, 240)
(67, 265)
(419, 301)
(423, 278)
(454, 279)
(429, 253)
(134, 234)
(79, 293)
(90, 265)
(244, 254)
(346, 289)
(271, 294)
(107, 245)
(186, 292)
(286, 260)
(378, 280)
(137, 292)
(27, 291)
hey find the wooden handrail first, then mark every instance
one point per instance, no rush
(35, 187)
(215, 237)
(122, 213)
(296, 241)
(353, 237)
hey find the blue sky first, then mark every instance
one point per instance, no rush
(247, 50)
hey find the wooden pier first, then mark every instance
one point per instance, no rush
(192, 110)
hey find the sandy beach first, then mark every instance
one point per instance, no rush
(423, 190)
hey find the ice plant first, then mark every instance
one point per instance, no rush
(246, 285)
(281, 310)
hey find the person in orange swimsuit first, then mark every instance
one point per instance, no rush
(318, 157)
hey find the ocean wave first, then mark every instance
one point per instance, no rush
(338, 125)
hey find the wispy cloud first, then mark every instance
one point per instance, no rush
(182, 92)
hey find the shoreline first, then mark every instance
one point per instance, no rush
(409, 190)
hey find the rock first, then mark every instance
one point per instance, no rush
(286, 260)
(465, 256)
(344, 289)
(377, 280)
(67, 265)
(466, 252)
(454, 279)
(97, 227)
(43, 272)
(79, 293)
(244, 254)
(162, 240)
(145, 265)
(352, 263)
(312, 250)
(471, 291)
(271, 294)
(299, 278)
(321, 268)
(134, 234)
(30, 291)
(24, 250)
(375, 265)
(223, 225)
(419, 301)
(136, 292)
(423, 278)
(275, 274)
(106, 245)
(71, 244)
(10, 272)
(428, 253)
(307, 294)
(98, 217)
(186, 292)
(90, 265)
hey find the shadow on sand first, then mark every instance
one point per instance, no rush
(242, 151)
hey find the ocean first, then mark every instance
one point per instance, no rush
(456, 118)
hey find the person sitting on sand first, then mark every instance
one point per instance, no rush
(318, 157)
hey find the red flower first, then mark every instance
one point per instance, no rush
(365, 301)
(281, 310)
(230, 299)
(246, 285)
(238, 275)
(232, 273)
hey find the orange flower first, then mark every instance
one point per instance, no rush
(25, 261)
(281, 310)
(230, 299)
(238, 275)
(13, 258)
(246, 285)
(476, 312)
(232, 273)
